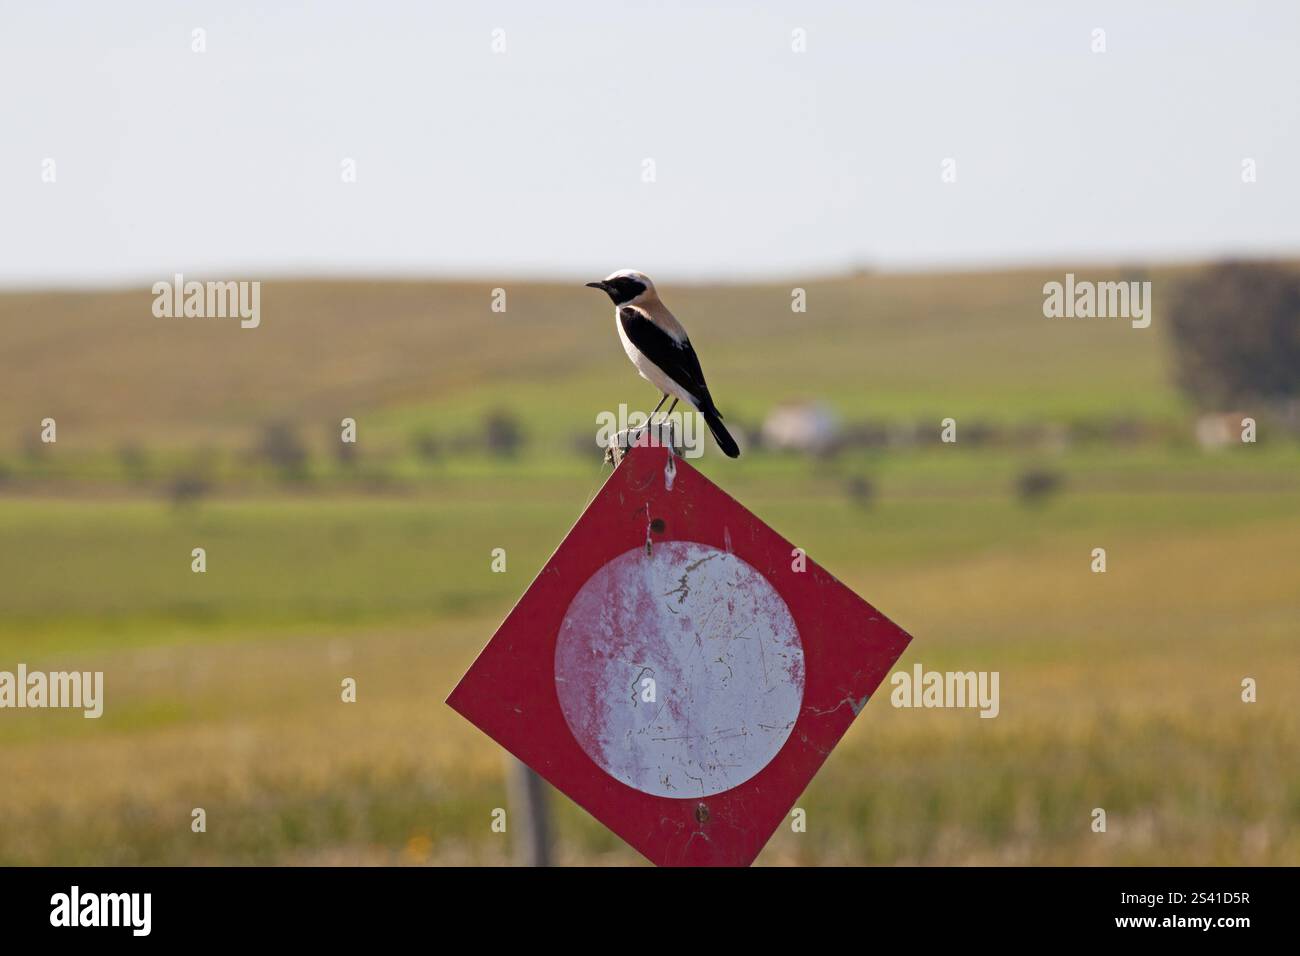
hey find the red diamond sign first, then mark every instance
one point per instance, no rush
(679, 669)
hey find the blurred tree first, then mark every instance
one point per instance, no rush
(134, 461)
(502, 434)
(345, 452)
(1236, 331)
(1036, 485)
(187, 487)
(426, 444)
(281, 448)
(860, 490)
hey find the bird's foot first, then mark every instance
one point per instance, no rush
(660, 432)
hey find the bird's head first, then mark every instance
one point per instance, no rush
(624, 286)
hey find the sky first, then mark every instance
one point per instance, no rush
(531, 160)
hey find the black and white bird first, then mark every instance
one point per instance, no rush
(657, 345)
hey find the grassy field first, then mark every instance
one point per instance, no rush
(407, 354)
(1119, 690)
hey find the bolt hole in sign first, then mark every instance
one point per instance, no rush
(676, 670)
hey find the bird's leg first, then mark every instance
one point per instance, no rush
(650, 418)
(667, 418)
(657, 407)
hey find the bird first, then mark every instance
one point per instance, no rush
(660, 349)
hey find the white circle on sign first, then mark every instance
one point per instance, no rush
(680, 672)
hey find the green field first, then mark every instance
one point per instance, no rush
(1119, 690)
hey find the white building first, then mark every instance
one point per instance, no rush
(803, 426)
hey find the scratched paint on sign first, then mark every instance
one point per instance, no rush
(723, 653)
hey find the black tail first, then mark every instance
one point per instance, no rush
(713, 419)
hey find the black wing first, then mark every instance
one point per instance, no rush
(676, 359)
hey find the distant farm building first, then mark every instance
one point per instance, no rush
(1220, 429)
(809, 427)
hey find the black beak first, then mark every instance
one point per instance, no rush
(598, 285)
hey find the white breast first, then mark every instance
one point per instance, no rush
(649, 371)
